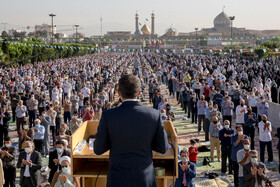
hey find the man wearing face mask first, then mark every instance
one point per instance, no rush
(240, 111)
(32, 105)
(29, 162)
(265, 130)
(8, 156)
(225, 137)
(242, 159)
(228, 107)
(202, 104)
(169, 113)
(26, 134)
(55, 157)
(45, 122)
(39, 133)
(75, 122)
(254, 171)
(214, 129)
(187, 171)
(63, 177)
(206, 126)
(237, 144)
(4, 123)
(250, 119)
(97, 107)
(262, 108)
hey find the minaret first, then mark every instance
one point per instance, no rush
(153, 24)
(136, 22)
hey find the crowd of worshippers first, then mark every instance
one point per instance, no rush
(49, 101)
(227, 99)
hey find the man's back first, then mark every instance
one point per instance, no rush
(131, 132)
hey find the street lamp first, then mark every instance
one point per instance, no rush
(76, 31)
(52, 15)
(231, 18)
(196, 29)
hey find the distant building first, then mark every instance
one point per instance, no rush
(45, 27)
(79, 35)
(11, 31)
(118, 35)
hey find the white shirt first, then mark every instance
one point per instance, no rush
(265, 136)
(253, 101)
(240, 156)
(239, 114)
(85, 92)
(26, 171)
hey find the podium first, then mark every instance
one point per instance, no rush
(93, 168)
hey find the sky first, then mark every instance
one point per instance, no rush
(119, 15)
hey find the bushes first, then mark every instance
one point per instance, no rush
(13, 51)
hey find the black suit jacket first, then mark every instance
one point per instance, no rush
(250, 179)
(52, 166)
(33, 169)
(131, 132)
(6, 119)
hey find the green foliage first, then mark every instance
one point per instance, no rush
(259, 51)
(270, 44)
(10, 52)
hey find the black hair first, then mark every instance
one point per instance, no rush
(129, 86)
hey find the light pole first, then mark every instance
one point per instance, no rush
(76, 31)
(231, 18)
(196, 29)
(52, 15)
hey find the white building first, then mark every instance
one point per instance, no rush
(45, 27)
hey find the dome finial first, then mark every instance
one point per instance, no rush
(224, 8)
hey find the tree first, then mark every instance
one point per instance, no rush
(4, 34)
(19, 34)
(56, 36)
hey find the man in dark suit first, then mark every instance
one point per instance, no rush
(130, 132)
(253, 171)
(4, 123)
(29, 162)
(54, 158)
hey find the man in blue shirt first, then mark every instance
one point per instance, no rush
(39, 132)
(217, 99)
(214, 129)
(201, 111)
(227, 106)
(225, 137)
(250, 120)
(208, 113)
(237, 144)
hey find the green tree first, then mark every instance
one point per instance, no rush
(4, 34)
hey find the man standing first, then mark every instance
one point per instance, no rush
(250, 119)
(141, 126)
(265, 130)
(254, 171)
(242, 159)
(214, 129)
(15, 98)
(227, 107)
(8, 156)
(237, 144)
(45, 122)
(225, 137)
(262, 108)
(32, 105)
(240, 111)
(4, 123)
(201, 111)
(97, 107)
(54, 158)
(39, 132)
(20, 114)
(29, 162)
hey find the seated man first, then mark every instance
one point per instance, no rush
(254, 171)
(187, 171)
(63, 177)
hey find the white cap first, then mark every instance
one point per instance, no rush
(67, 158)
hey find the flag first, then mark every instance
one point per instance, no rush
(251, 50)
(241, 50)
(276, 49)
(155, 42)
(230, 50)
(147, 19)
(160, 43)
(264, 50)
(140, 24)
(150, 43)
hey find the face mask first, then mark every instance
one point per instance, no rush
(43, 115)
(240, 133)
(168, 109)
(59, 150)
(65, 170)
(75, 117)
(61, 136)
(227, 126)
(254, 160)
(242, 105)
(184, 159)
(215, 122)
(37, 125)
(27, 150)
(32, 97)
(25, 127)
(247, 146)
(264, 121)
(8, 145)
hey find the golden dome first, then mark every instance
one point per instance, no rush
(145, 29)
(137, 15)
(153, 15)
